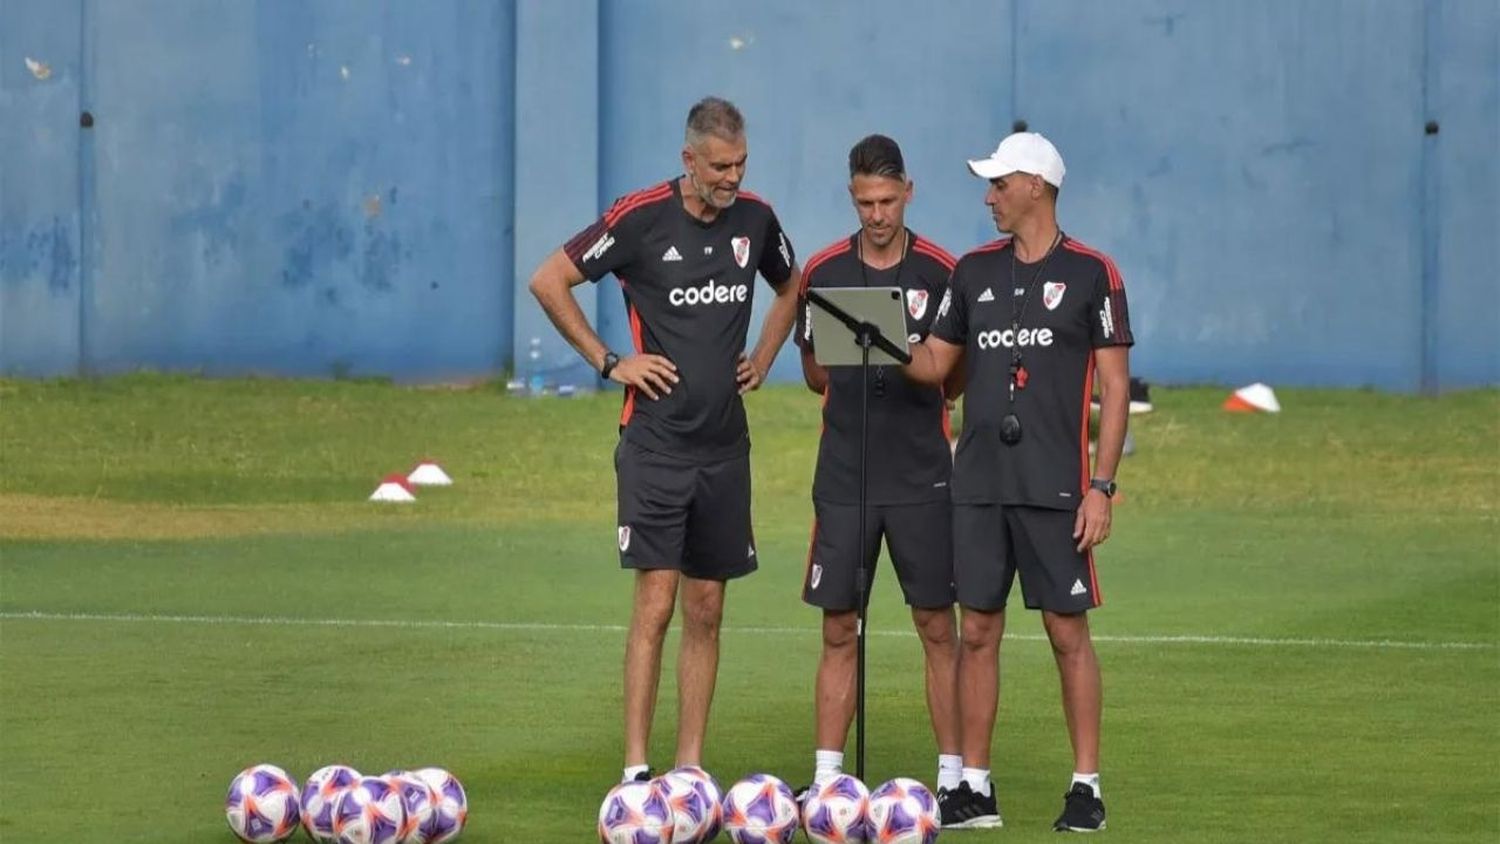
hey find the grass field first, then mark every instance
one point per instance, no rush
(1300, 641)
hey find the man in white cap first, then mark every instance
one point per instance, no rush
(1033, 318)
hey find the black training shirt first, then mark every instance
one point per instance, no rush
(689, 287)
(1075, 304)
(908, 457)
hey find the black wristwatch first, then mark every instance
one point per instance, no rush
(611, 360)
(1106, 487)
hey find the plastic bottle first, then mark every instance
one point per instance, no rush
(535, 383)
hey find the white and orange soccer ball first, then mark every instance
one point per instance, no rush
(696, 802)
(262, 806)
(636, 813)
(903, 811)
(837, 812)
(369, 812)
(760, 809)
(420, 802)
(319, 793)
(450, 808)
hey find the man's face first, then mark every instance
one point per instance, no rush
(881, 204)
(1011, 198)
(715, 168)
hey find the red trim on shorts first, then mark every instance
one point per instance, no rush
(625, 204)
(1097, 597)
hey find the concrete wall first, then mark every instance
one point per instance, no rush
(358, 188)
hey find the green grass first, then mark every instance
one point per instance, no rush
(191, 582)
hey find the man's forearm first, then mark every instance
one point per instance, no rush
(563, 310)
(1114, 415)
(777, 327)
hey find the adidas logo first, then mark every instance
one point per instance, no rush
(751, 552)
(1078, 588)
(987, 296)
(671, 254)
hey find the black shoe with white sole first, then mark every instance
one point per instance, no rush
(965, 808)
(1082, 811)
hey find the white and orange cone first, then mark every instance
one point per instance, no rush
(1256, 398)
(393, 488)
(429, 473)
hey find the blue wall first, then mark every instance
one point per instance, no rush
(357, 188)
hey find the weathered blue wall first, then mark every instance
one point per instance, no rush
(359, 187)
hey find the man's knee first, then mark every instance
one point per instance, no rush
(981, 630)
(1068, 632)
(935, 627)
(655, 594)
(839, 630)
(702, 607)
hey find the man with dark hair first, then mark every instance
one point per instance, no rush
(1032, 319)
(907, 480)
(686, 252)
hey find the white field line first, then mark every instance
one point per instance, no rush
(522, 626)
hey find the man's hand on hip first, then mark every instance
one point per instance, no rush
(653, 375)
(748, 375)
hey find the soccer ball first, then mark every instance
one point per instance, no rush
(318, 796)
(695, 798)
(635, 813)
(420, 802)
(450, 809)
(262, 805)
(369, 812)
(837, 811)
(903, 811)
(760, 809)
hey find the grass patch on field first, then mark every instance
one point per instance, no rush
(191, 582)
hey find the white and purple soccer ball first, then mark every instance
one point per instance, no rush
(420, 802)
(903, 811)
(636, 813)
(697, 804)
(261, 806)
(450, 808)
(760, 809)
(319, 793)
(837, 812)
(369, 812)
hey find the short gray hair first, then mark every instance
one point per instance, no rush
(714, 116)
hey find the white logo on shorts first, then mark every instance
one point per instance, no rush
(750, 553)
(1078, 588)
(624, 537)
(817, 576)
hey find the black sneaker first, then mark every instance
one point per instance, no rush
(1082, 811)
(801, 795)
(645, 776)
(965, 808)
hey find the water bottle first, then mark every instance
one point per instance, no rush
(534, 380)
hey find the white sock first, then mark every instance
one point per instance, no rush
(950, 770)
(1090, 780)
(632, 770)
(827, 764)
(978, 779)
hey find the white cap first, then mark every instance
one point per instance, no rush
(1023, 152)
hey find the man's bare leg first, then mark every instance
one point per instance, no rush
(937, 630)
(697, 664)
(1082, 690)
(833, 708)
(979, 683)
(655, 593)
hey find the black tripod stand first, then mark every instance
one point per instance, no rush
(866, 335)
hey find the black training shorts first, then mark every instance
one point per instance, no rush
(918, 536)
(992, 543)
(689, 517)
